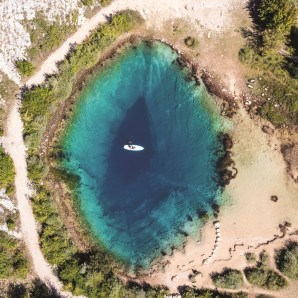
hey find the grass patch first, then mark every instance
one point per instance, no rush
(12, 261)
(229, 279)
(287, 260)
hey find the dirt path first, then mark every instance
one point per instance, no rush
(14, 145)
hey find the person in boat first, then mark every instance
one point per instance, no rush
(130, 145)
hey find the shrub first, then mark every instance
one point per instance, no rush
(287, 260)
(272, 113)
(6, 171)
(35, 102)
(35, 289)
(12, 260)
(34, 111)
(25, 67)
(87, 2)
(250, 257)
(265, 278)
(204, 216)
(263, 257)
(188, 292)
(230, 279)
(32, 52)
(245, 54)
(37, 170)
(191, 42)
(10, 224)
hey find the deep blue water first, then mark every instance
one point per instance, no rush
(139, 204)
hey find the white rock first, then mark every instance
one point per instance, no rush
(8, 205)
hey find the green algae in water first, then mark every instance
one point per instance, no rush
(139, 204)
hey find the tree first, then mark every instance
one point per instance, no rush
(287, 260)
(277, 15)
(276, 18)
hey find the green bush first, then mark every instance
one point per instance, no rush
(37, 170)
(287, 260)
(265, 278)
(32, 52)
(25, 67)
(35, 102)
(12, 261)
(245, 54)
(250, 257)
(272, 113)
(34, 289)
(229, 278)
(10, 224)
(87, 2)
(34, 111)
(6, 171)
(264, 257)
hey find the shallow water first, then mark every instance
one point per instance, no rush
(141, 204)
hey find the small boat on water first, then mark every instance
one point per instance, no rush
(133, 147)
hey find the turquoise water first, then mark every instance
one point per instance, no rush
(142, 204)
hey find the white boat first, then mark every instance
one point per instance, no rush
(133, 147)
